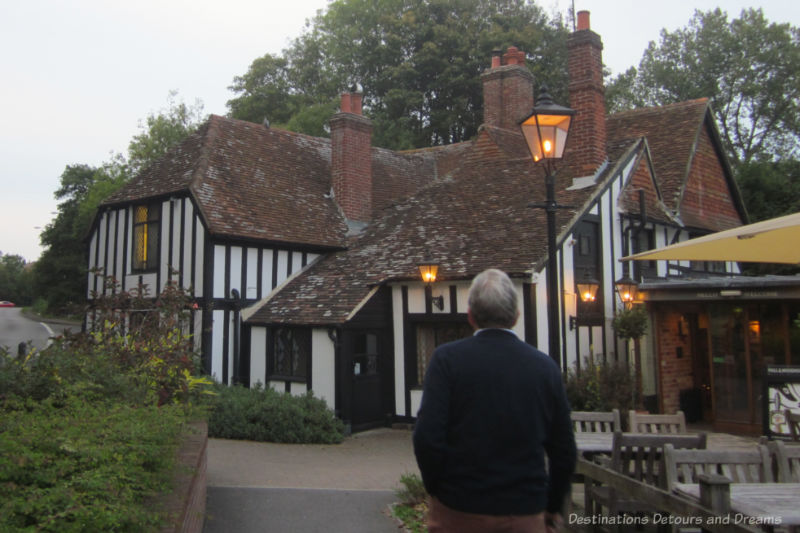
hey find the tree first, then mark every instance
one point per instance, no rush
(747, 67)
(15, 279)
(60, 273)
(162, 131)
(419, 62)
(770, 189)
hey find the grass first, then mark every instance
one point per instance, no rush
(413, 505)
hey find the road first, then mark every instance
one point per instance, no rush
(16, 328)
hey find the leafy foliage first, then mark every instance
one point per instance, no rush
(16, 280)
(630, 323)
(601, 387)
(60, 274)
(746, 66)
(89, 427)
(413, 504)
(84, 466)
(260, 414)
(419, 62)
(160, 132)
(770, 189)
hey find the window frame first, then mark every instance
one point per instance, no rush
(300, 337)
(151, 246)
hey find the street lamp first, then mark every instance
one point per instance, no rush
(546, 131)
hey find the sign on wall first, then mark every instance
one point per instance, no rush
(781, 392)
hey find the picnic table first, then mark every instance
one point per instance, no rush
(757, 503)
(594, 442)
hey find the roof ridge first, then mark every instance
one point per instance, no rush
(660, 109)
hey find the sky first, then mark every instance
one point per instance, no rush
(78, 76)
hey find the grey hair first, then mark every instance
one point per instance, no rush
(493, 300)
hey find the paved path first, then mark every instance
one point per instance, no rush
(267, 487)
(275, 488)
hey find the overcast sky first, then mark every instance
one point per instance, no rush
(79, 75)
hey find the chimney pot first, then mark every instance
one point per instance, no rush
(507, 92)
(583, 20)
(496, 58)
(510, 57)
(346, 105)
(356, 99)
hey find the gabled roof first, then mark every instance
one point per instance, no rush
(491, 189)
(670, 131)
(491, 186)
(257, 183)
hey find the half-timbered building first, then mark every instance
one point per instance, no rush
(302, 253)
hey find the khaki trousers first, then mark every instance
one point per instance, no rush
(442, 519)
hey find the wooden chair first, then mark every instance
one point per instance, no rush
(793, 421)
(740, 466)
(596, 421)
(639, 457)
(647, 423)
(787, 458)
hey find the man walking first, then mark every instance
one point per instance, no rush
(492, 408)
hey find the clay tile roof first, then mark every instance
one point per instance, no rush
(248, 181)
(488, 189)
(671, 132)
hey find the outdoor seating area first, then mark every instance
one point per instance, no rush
(662, 476)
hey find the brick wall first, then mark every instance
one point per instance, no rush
(351, 159)
(587, 137)
(186, 504)
(675, 373)
(507, 90)
(707, 201)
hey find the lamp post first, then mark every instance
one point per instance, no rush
(546, 131)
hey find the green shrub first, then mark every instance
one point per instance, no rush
(84, 466)
(266, 415)
(413, 504)
(630, 323)
(412, 490)
(83, 445)
(601, 387)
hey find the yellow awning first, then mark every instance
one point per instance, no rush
(771, 241)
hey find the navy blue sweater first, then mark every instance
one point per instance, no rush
(492, 408)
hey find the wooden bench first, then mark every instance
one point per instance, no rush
(647, 423)
(787, 458)
(714, 470)
(596, 421)
(637, 456)
(739, 466)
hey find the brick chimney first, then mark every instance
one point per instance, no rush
(351, 159)
(507, 90)
(587, 137)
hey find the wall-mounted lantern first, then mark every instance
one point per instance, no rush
(428, 270)
(587, 289)
(626, 289)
